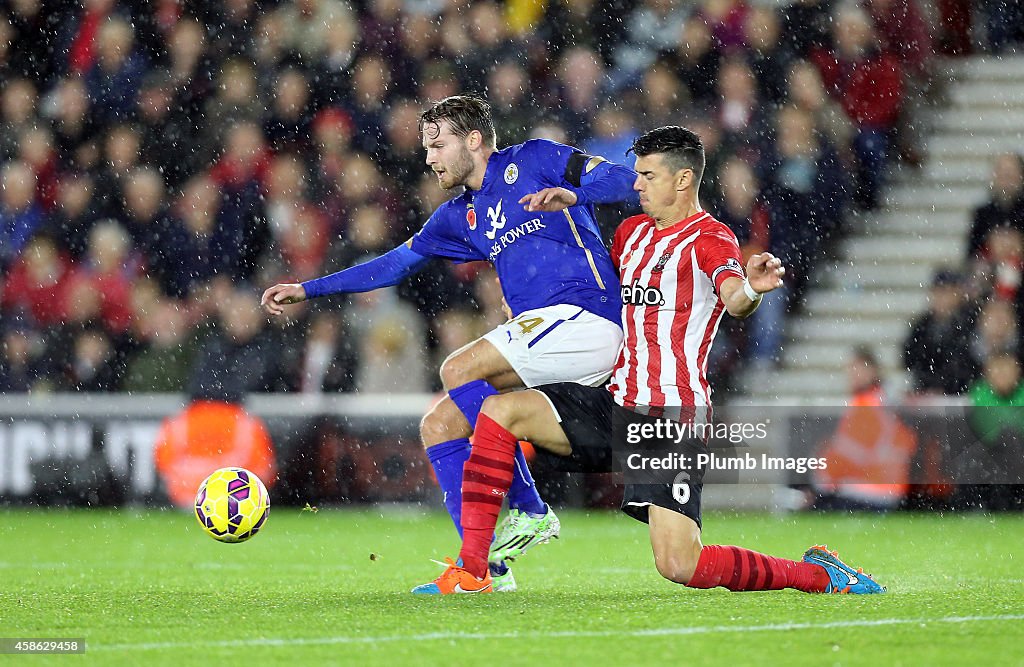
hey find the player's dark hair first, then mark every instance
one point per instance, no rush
(681, 148)
(464, 114)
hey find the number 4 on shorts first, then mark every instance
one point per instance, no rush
(529, 324)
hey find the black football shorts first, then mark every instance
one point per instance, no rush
(586, 414)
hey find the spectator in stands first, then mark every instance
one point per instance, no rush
(236, 359)
(23, 366)
(997, 331)
(726, 19)
(361, 182)
(997, 422)
(122, 147)
(508, 90)
(807, 92)
(937, 351)
(91, 366)
(108, 269)
(144, 208)
(742, 210)
(403, 161)
(1004, 24)
(695, 59)
(75, 214)
(270, 48)
(718, 149)
(189, 68)
(18, 101)
(1000, 386)
(288, 127)
(1005, 207)
(868, 83)
(868, 457)
(332, 143)
(20, 214)
(371, 83)
(904, 33)
(767, 53)
(331, 73)
(743, 117)
(36, 150)
(614, 133)
(805, 195)
(491, 41)
(583, 82)
(68, 106)
(286, 193)
(196, 248)
(999, 268)
(114, 80)
(168, 135)
(236, 99)
(650, 28)
(569, 23)
(304, 248)
(327, 359)
(167, 351)
(232, 24)
(308, 26)
(807, 24)
(32, 43)
(664, 95)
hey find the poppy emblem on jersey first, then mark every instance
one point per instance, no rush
(471, 218)
(511, 173)
(661, 263)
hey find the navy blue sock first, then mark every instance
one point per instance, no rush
(522, 495)
(448, 459)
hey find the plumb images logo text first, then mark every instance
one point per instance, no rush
(711, 461)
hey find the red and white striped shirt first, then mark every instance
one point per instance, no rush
(671, 308)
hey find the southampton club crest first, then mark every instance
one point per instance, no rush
(511, 173)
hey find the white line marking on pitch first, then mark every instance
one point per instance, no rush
(649, 632)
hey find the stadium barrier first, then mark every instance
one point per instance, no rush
(96, 449)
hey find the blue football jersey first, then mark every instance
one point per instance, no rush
(542, 259)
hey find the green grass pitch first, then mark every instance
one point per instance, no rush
(150, 588)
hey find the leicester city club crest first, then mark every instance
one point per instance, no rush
(511, 173)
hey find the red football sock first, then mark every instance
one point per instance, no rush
(486, 479)
(740, 569)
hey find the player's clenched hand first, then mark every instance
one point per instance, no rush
(276, 297)
(549, 199)
(765, 272)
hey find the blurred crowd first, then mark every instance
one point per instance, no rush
(163, 161)
(968, 341)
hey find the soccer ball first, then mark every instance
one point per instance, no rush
(232, 505)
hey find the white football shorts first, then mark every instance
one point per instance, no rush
(559, 344)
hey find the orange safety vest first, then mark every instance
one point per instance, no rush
(208, 435)
(868, 457)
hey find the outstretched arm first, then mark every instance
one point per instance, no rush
(591, 180)
(389, 269)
